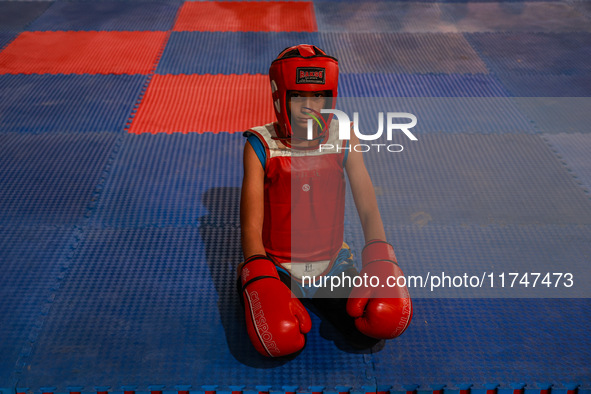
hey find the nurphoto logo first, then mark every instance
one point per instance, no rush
(344, 122)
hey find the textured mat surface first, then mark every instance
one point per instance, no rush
(503, 337)
(159, 305)
(402, 53)
(201, 103)
(108, 15)
(382, 16)
(527, 53)
(479, 339)
(16, 15)
(449, 115)
(226, 53)
(505, 255)
(477, 179)
(573, 150)
(246, 16)
(582, 7)
(67, 103)
(554, 115)
(514, 17)
(30, 260)
(81, 52)
(144, 303)
(119, 197)
(578, 85)
(51, 179)
(421, 85)
(6, 38)
(173, 180)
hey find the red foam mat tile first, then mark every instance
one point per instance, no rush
(82, 52)
(247, 16)
(203, 103)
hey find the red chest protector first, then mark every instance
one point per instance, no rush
(304, 199)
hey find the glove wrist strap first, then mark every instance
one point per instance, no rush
(378, 250)
(257, 267)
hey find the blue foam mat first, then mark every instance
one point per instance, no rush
(439, 1)
(403, 53)
(573, 150)
(51, 179)
(31, 267)
(492, 252)
(380, 16)
(160, 305)
(118, 251)
(437, 115)
(68, 103)
(584, 7)
(491, 341)
(173, 180)
(108, 15)
(6, 38)
(226, 52)
(555, 115)
(534, 53)
(149, 303)
(547, 85)
(515, 17)
(421, 85)
(481, 179)
(472, 338)
(16, 15)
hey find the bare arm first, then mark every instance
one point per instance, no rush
(364, 195)
(252, 204)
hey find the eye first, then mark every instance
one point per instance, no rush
(294, 95)
(319, 94)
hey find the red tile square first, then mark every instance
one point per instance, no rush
(247, 16)
(81, 52)
(204, 103)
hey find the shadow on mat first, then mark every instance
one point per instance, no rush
(220, 232)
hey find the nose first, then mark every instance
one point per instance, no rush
(309, 105)
(306, 103)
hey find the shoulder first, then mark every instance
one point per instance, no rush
(252, 161)
(258, 141)
(264, 133)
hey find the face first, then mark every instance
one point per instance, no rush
(298, 103)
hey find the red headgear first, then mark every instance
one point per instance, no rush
(305, 68)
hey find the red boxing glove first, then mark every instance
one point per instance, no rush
(276, 321)
(381, 312)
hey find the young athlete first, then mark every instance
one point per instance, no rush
(292, 220)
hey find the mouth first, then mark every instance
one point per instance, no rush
(303, 120)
